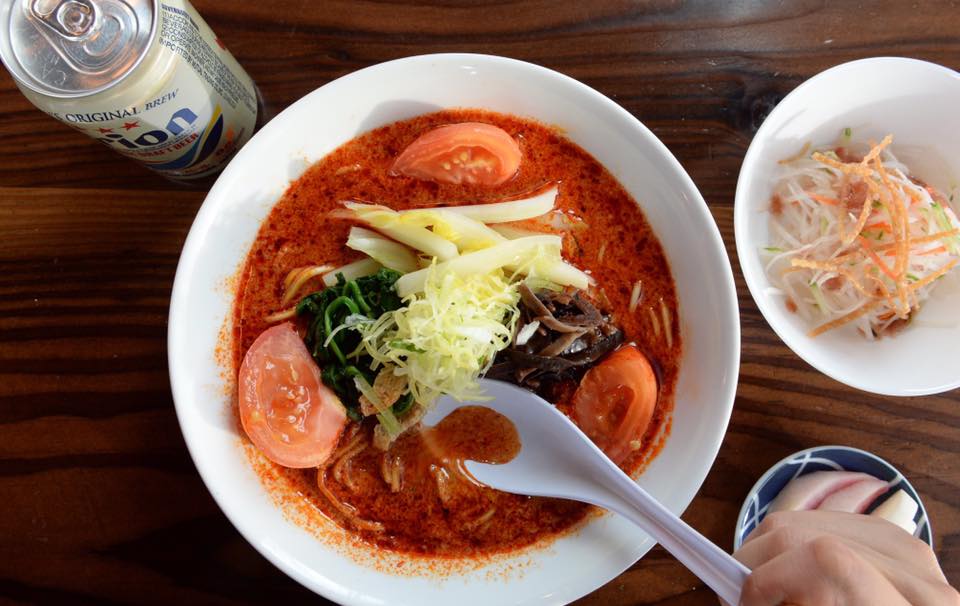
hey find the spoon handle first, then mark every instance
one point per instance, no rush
(715, 567)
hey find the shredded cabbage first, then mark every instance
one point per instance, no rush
(447, 335)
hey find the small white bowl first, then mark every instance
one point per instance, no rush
(918, 103)
(227, 223)
(825, 458)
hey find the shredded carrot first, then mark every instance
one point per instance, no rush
(876, 259)
(923, 239)
(883, 248)
(933, 251)
(912, 288)
(881, 225)
(850, 317)
(823, 199)
(914, 197)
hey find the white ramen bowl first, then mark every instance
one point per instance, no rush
(918, 103)
(227, 223)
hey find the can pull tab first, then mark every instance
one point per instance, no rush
(70, 18)
(91, 35)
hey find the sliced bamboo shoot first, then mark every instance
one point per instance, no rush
(515, 210)
(383, 250)
(352, 271)
(388, 222)
(468, 234)
(511, 232)
(512, 252)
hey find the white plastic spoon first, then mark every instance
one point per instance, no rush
(556, 459)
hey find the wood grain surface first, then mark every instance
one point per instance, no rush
(99, 501)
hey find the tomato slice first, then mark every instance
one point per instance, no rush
(615, 402)
(469, 152)
(286, 410)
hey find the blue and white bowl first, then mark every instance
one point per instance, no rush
(825, 458)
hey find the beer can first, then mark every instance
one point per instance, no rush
(148, 78)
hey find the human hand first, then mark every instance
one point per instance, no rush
(823, 558)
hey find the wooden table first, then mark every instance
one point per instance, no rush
(99, 501)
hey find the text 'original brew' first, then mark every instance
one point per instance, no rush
(147, 78)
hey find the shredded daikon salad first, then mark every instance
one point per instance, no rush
(857, 238)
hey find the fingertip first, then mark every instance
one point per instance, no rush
(759, 589)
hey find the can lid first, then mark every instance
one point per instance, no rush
(72, 48)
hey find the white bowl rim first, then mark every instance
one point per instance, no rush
(772, 316)
(329, 588)
(779, 464)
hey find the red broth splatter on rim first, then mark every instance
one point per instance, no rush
(610, 238)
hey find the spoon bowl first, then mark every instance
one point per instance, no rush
(558, 460)
(564, 471)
